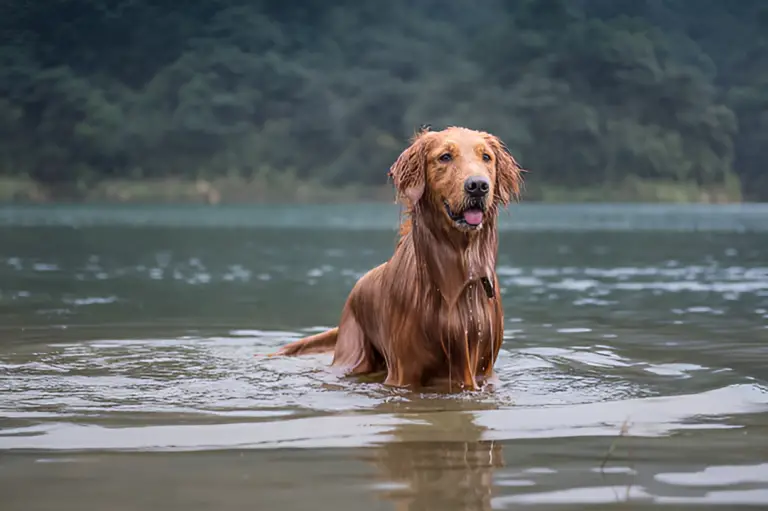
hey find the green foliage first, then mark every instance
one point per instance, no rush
(586, 93)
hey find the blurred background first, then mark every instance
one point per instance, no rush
(233, 100)
(634, 363)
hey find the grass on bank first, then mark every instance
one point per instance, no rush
(287, 188)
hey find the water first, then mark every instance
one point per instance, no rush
(634, 370)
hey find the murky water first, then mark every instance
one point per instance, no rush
(635, 366)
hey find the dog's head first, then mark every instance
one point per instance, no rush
(463, 173)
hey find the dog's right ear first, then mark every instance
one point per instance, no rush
(409, 172)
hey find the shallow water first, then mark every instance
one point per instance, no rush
(634, 370)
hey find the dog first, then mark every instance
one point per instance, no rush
(432, 313)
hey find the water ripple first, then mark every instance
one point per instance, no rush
(187, 380)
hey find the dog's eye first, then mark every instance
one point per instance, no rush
(445, 158)
(486, 157)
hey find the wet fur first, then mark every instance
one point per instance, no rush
(423, 316)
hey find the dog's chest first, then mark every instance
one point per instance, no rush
(470, 319)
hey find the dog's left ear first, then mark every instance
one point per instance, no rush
(509, 175)
(409, 172)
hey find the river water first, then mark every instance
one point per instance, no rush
(634, 371)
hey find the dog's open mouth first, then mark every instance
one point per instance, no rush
(471, 214)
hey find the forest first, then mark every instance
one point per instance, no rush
(591, 96)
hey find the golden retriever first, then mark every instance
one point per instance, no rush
(433, 312)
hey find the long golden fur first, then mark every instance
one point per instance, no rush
(432, 312)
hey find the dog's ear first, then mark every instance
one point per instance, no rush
(509, 175)
(409, 172)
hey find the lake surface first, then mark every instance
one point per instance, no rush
(634, 371)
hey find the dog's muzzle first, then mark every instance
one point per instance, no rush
(470, 215)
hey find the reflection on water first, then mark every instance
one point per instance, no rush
(129, 377)
(438, 473)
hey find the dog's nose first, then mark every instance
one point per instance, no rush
(477, 186)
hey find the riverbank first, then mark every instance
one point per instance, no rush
(289, 189)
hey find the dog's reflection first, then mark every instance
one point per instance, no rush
(439, 462)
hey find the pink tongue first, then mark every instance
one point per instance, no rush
(473, 216)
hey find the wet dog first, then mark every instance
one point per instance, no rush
(432, 312)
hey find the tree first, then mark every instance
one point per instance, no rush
(585, 92)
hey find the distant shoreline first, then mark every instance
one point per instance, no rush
(239, 190)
